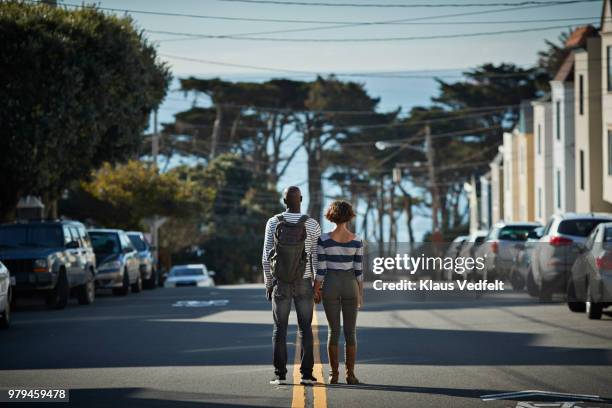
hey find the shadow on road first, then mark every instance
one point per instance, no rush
(147, 398)
(146, 331)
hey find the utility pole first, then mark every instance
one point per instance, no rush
(433, 185)
(155, 140)
(155, 224)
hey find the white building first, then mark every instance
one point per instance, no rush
(562, 99)
(543, 159)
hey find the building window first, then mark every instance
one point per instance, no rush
(558, 109)
(540, 202)
(609, 70)
(609, 152)
(581, 94)
(558, 188)
(582, 170)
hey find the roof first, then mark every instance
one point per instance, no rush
(579, 36)
(574, 216)
(105, 230)
(546, 98)
(566, 72)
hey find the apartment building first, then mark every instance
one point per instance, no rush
(606, 100)
(588, 122)
(543, 160)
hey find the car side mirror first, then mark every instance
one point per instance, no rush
(211, 273)
(72, 245)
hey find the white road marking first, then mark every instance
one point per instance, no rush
(533, 393)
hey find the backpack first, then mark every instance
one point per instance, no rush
(288, 257)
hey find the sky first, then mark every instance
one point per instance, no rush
(426, 58)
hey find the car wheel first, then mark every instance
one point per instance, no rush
(594, 310)
(572, 302)
(86, 293)
(5, 318)
(137, 286)
(532, 288)
(58, 299)
(125, 287)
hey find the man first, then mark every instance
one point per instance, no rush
(281, 291)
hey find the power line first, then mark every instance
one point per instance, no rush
(359, 40)
(412, 5)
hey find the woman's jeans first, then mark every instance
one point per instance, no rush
(341, 295)
(302, 294)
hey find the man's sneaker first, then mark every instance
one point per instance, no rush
(278, 380)
(308, 380)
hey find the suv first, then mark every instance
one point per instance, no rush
(118, 264)
(500, 247)
(556, 251)
(148, 271)
(52, 258)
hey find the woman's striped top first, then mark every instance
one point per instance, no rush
(339, 256)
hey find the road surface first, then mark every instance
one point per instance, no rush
(176, 348)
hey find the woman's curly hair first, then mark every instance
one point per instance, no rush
(340, 212)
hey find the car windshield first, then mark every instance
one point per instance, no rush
(138, 242)
(579, 228)
(48, 236)
(187, 271)
(105, 242)
(516, 232)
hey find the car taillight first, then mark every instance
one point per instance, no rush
(494, 247)
(559, 241)
(603, 262)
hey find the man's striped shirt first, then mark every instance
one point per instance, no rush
(339, 256)
(313, 232)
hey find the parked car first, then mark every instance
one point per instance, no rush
(556, 251)
(499, 249)
(52, 258)
(453, 251)
(590, 285)
(5, 297)
(148, 271)
(189, 275)
(118, 264)
(469, 248)
(522, 259)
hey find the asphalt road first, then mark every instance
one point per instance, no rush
(147, 350)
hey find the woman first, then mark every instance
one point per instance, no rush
(340, 252)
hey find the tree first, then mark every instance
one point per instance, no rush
(79, 88)
(135, 191)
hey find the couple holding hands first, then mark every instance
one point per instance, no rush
(293, 249)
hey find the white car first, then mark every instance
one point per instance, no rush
(556, 250)
(5, 297)
(189, 275)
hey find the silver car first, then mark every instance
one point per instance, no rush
(555, 252)
(117, 261)
(500, 248)
(5, 297)
(590, 286)
(189, 275)
(470, 247)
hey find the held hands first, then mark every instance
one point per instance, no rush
(317, 292)
(317, 295)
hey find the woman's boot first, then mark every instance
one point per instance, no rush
(349, 360)
(332, 353)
